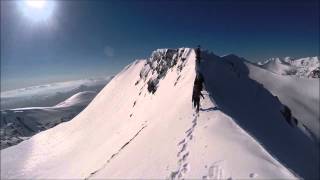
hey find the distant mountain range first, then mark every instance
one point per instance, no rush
(28, 111)
(308, 67)
(49, 94)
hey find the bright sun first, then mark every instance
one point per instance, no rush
(36, 3)
(37, 10)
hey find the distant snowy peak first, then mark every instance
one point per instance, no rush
(79, 99)
(303, 67)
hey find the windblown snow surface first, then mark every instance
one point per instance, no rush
(142, 126)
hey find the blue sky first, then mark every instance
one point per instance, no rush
(85, 39)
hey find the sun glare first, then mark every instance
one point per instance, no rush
(36, 3)
(37, 10)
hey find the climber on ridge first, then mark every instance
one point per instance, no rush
(197, 88)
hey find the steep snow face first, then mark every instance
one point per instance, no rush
(21, 123)
(142, 126)
(301, 95)
(303, 67)
(256, 110)
(79, 147)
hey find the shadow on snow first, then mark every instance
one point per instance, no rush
(257, 111)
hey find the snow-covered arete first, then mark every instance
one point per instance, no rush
(142, 126)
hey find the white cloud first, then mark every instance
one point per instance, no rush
(53, 88)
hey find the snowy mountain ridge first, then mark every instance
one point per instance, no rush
(142, 125)
(308, 67)
(303, 103)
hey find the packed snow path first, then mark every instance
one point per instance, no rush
(156, 94)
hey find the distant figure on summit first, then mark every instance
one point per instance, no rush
(197, 88)
(198, 57)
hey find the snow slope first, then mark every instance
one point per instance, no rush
(258, 112)
(21, 123)
(142, 125)
(301, 95)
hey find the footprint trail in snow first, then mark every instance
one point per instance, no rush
(183, 153)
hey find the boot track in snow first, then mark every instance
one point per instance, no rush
(115, 154)
(183, 153)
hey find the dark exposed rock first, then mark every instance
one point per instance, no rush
(152, 86)
(286, 112)
(158, 64)
(315, 73)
